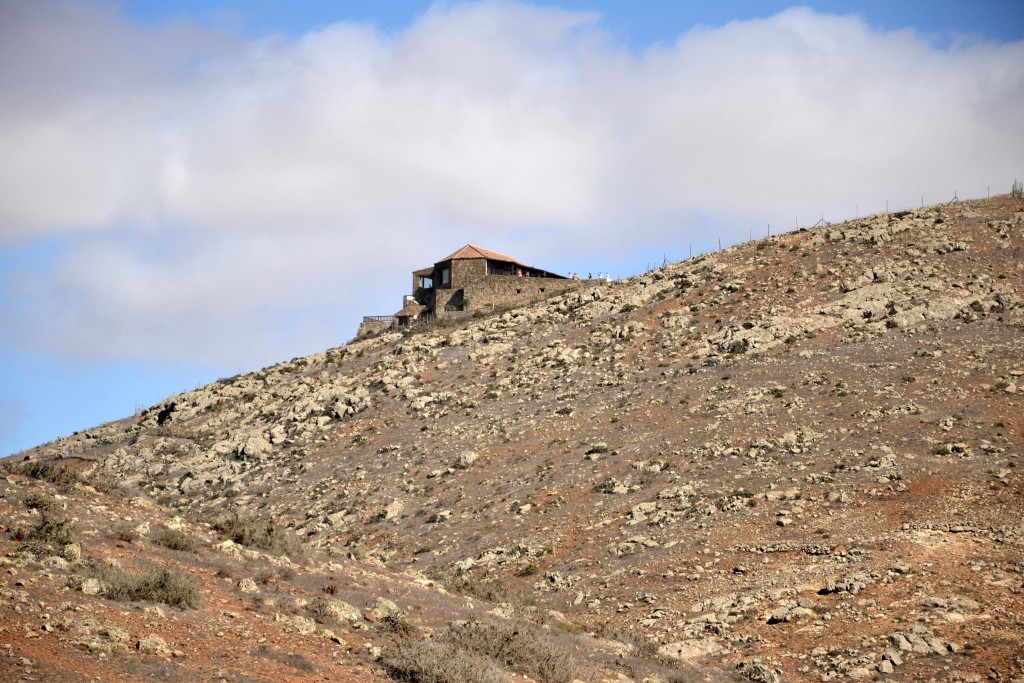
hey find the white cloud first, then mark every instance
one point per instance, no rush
(82, 93)
(256, 196)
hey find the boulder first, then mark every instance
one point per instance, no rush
(153, 644)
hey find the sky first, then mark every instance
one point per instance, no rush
(193, 189)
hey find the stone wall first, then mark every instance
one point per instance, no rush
(368, 327)
(470, 288)
(491, 291)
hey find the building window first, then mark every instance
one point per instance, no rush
(446, 276)
(499, 268)
(426, 282)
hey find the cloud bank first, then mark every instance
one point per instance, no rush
(197, 196)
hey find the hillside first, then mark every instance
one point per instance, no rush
(795, 459)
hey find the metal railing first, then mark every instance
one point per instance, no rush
(378, 318)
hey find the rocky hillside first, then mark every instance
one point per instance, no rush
(794, 459)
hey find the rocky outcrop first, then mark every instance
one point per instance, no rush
(797, 458)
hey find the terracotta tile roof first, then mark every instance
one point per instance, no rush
(471, 251)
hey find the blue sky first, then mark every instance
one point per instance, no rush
(639, 24)
(190, 190)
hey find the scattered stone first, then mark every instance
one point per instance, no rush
(465, 459)
(690, 649)
(152, 644)
(754, 670)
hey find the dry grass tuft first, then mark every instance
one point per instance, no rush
(164, 585)
(175, 540)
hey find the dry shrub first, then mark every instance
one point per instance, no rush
(541, 655)
(325, 610)
(481, 651)
(164, 585)
(488, 591)
(292, 659)
(65, 478)
(259, 533)
(432, 661)
(175, 540)
(398, 625)
(106, 484)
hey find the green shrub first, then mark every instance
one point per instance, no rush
(60, 476)
(528, 570)
(47, 537)
(41, 502)
(739, 346)
(175, 540)
(606, 485)
(163, 585)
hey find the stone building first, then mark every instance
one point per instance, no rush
(471, 279)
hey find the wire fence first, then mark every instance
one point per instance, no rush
(822, 222)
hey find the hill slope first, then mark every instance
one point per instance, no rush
(797, 457)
